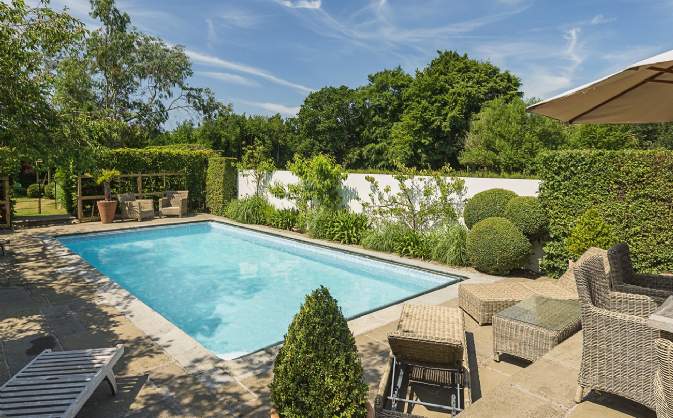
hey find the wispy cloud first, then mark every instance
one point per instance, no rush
(600, 19)
(236, 17)
(229, 78)
(300, 4)
(247, 69)
(273, 107)
(211, 35)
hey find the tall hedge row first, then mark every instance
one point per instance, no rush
(221, 183)
(632, 190)
(194, 163)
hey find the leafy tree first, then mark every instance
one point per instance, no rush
(257, 165)
(601, 136)
(32, 42)
(382, 105)
(320, 184)
(504, 137)
(128, 78)
(422, 202)
(329, 122)
(439, 104)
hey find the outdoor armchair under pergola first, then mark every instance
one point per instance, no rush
(640, 93)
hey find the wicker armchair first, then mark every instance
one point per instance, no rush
(174, 204)
(618, 346)
(625, 279)
(663, 380)
(133, 208)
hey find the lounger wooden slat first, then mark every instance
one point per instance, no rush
(42, 387)
(58, 372)
(55, 397)
(30, 412)
(58, 383)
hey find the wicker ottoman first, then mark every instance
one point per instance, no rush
(534, 326)
(482, 301)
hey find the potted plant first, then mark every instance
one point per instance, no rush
(107, 207)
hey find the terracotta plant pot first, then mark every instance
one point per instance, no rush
(274, 413)
(107, 209)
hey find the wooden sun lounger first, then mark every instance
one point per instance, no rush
(58, 383)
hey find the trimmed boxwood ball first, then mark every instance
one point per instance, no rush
(486, 204)
(497, 246)
(33, 190)
(317, 372)
(528, 215)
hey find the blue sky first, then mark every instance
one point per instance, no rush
(265, 56)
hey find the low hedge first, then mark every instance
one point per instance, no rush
(33, 190)
(528, 215)
(221, 184)
(486, 204)
(497, 246)
(630, 189)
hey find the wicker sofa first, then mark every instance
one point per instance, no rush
(625, 279)
(618, 353)
(482, 300)
(133, 208)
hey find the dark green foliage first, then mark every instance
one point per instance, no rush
(449, 246)
(439, 104)
(497, 246)
(591, 230)
(17, 189)
(631, 190)
(397, 238)
(317, 372)
(221, 182)
(193, 164)
(527, 214)
(65, 187)
(487, 204)
(337, 225)
(8, 161)
(33, 190)
(48, 191)
(249, 210)
(284, 219)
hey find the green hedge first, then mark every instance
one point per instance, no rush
(194, 163)
(221, 183)
(630, 189)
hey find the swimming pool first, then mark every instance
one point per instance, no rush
(236, 290)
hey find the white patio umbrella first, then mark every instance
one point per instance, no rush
(641, 93)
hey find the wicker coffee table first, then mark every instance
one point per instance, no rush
(534, 326)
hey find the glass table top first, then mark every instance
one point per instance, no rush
(553, 314)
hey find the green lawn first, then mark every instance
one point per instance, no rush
(27, 206)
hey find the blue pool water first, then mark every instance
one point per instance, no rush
(235, 290)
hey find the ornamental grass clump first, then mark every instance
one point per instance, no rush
(487, 204)
(250, 210)
(497, 246)
(317, 372)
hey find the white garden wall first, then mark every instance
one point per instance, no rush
(357, 184)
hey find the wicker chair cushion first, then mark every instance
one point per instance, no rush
(175, 198)
(621, 268)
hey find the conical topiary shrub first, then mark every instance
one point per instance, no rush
(317, 372)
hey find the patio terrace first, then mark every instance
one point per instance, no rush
(52, 299)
